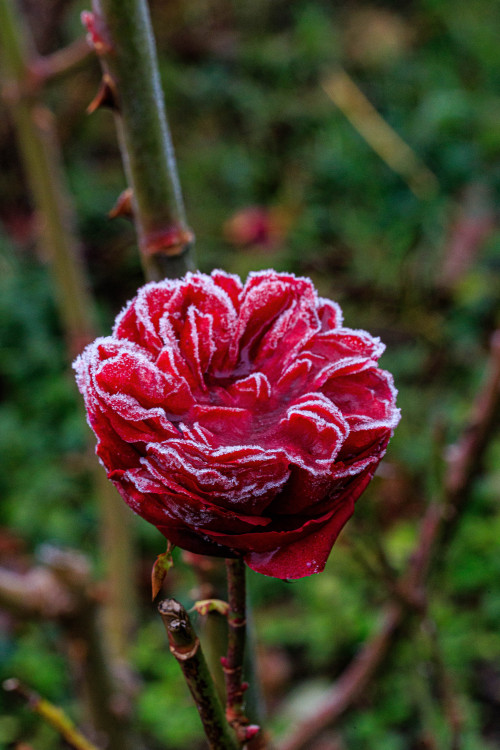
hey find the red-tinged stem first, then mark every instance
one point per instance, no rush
(122, 36)
(232, 664)
(185, 646)
(466, 455)
(47, 68)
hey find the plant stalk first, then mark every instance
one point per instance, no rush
(123, 39)
(42, 160)
(185, 646)
(51, 714)
(232, 663)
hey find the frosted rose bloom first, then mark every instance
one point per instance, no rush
(240, 420)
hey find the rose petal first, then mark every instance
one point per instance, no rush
(239, 420)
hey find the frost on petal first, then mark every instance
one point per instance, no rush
(366, 398)
(199, 292)
(330, 314)
(265, 297)
(243, 478)
(139, 321)
(197, 343)
(313, 431)
(240, 420)
(231, 284)
(128, 381)
(344, 343)
(251, 392)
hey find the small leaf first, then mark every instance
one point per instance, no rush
(162, 565)
(204, 606)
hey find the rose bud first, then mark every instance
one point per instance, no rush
(240, 420)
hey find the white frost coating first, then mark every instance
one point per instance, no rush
(126, 404)
(90, 365)
(243, 454)
(359, 422)
(195, 433)
(354, 468)
(207, 284)
(374, 344)
(297, 313)
(315, 408)
(287, 277)
(331, 305)
(192, 328)
(237, 488)
(167, 284)
(174, 457)
(257, 383)
(395, 413)
(225, 481)
(340, 367)
(194, 339)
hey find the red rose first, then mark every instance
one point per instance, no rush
(239, 420)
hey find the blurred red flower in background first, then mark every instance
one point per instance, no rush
(258, 226)
(240, 420)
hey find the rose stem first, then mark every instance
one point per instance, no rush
(185, 646)
(233, 662)
(53, 715)
(124, 41)
(213, 626)
(43, 165)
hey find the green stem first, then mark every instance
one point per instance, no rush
(185, 646)
(123, 38)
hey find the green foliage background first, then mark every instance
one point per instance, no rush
(252, 125)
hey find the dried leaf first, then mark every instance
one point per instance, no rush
(162, 565)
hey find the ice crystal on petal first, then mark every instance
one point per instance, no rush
(241, 420)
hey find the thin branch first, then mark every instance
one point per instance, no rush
(42, 159)
(185, 646)
(47, 68)
(62, 590)
(210, 575)
(121, 33)
(466, 456)
(349, 98)
(43, 165)
(51, 714)
(351, 684)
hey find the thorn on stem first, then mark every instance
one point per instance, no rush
(106, 97)
(123, 205)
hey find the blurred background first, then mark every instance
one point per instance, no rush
(355, 143)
